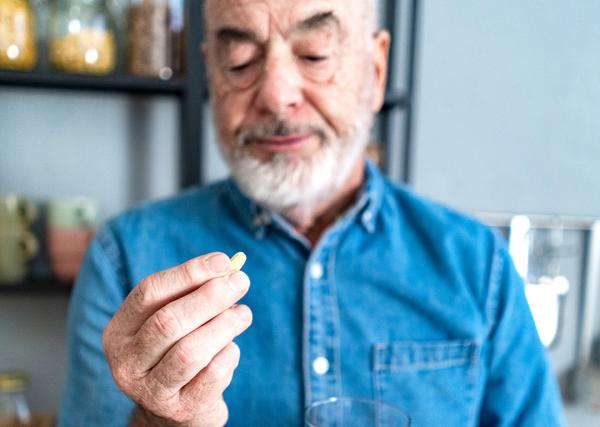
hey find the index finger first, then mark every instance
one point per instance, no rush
(163, 287)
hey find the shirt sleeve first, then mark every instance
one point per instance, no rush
(91, 397)
(521, 389)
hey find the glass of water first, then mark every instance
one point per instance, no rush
(351, 412)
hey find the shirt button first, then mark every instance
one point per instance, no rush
(316, 270)
(320, 365)
(367, 216)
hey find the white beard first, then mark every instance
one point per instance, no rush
(284, 181)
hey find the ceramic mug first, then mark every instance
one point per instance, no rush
(17, 247)
(16, 209)
(74, 212)
(70, 229)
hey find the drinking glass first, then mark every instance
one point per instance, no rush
(354, 412)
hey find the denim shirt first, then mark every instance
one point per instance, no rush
(401, 300)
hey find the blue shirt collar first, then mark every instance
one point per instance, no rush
(258, 218)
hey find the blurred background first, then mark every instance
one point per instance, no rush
(492, 108)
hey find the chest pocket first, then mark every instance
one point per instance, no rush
(433, 381)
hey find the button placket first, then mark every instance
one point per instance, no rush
(321, 353)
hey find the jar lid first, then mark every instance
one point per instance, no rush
(13, 381)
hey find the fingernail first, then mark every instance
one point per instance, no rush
(244, 312)
(218, 264)
(238, 281)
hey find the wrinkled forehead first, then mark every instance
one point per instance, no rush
(265, 16)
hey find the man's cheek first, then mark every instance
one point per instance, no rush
(227, 115)
(336, 105)
(338, 120)
(226, 131)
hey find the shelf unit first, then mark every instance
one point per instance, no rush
(191, 93)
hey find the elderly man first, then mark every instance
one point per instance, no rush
(360, 287)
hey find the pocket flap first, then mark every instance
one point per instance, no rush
(424, 355)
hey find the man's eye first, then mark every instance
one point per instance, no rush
(239, 68)
(315, 58)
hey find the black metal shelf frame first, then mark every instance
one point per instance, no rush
(397, 137)
(110, 83)
(41, 287)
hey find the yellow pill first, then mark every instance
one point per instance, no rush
(238, 261)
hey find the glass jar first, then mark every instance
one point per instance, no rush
(18, 49)
(82, 38)
(14, 410)
(149, 39)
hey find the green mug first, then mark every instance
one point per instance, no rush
(15, 209)
(77, 212)
(17, 247)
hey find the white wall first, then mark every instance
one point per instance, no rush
(508, 115)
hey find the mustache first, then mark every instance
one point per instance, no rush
(277, 128)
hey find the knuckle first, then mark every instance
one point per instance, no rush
(236, 359)
(218, 371)
(181, 417)
(123, 379)
(234, 322)
(192, 270)
(122, 383)
(166, 322)
(215, 294)
(152, 391)
(235, 349)
(233, 358)
(144, 395)
(217, 412)
(187, 354)
(117, 364)
(222, 412)
(228, 381)
(146, 290)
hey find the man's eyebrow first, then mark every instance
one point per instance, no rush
(233, 34)
(317, 20)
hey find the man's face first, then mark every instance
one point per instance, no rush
(294, 86)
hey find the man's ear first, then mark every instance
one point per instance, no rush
(380, 62)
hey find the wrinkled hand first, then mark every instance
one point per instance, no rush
(169, 346)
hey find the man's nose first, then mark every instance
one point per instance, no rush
(280, 86)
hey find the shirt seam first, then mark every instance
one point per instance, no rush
(494, 290)
(107, 242)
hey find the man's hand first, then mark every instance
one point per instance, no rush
(169, 346)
